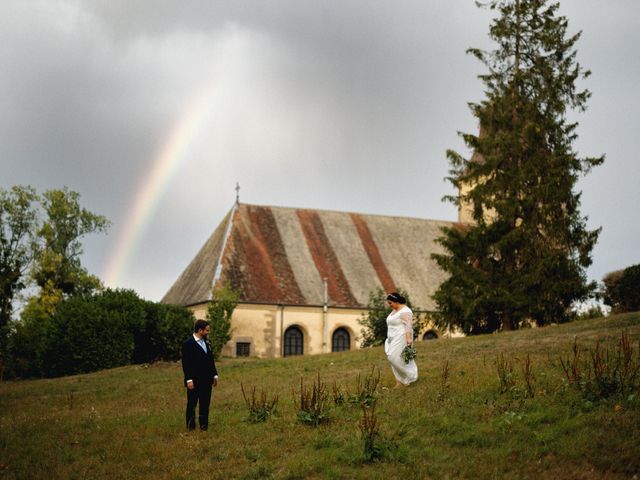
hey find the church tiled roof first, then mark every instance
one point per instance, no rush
(277, 255)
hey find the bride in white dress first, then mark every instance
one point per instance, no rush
(399, 335)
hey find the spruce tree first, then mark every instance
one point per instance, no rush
(524, 255)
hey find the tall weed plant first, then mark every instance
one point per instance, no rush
(259, 408)
(311, 403)
(603, 372)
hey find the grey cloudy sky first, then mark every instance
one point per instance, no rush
(341, 105)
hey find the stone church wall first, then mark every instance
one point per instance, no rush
(263, 327)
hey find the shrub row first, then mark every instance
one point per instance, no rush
(106, 330)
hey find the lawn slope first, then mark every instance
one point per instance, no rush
(128, 422)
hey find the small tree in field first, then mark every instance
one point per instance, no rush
(374, 323)
(223, 302)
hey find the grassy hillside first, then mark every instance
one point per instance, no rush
(128, 422)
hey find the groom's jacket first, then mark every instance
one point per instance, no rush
(196, 364)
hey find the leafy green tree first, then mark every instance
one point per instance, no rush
(18, 221)
(374, 323)
(525, 254)
(223, 302)
(622, 289)
(57, 269)
(40, 241)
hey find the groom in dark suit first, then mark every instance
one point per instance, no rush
(200, 374)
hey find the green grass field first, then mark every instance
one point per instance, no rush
(128, 422)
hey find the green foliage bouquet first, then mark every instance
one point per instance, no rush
(409, 353)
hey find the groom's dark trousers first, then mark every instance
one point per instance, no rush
(201, 368)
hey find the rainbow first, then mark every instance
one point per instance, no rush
(172, 155)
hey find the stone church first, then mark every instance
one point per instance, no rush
(305, 276)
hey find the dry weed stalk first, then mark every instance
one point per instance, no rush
(443, 392)
(606, 372)
(527, 373)
(370, 431)
(505, 373)
(259, 409)
(311, 403)
(365, 393)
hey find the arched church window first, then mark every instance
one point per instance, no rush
(293, 341)
(340, 341)
(430, 335)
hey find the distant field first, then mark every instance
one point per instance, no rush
(128, 422)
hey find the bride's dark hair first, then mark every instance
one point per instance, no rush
(396, 297)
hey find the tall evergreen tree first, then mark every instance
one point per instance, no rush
(524, 255)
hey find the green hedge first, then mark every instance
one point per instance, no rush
(164, 330)
(106, 330)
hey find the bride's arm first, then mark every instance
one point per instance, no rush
(407, 321)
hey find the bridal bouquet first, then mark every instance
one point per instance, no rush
(408, 354)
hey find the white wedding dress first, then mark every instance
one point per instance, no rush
(399, 322)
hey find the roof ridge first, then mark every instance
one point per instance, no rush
(349, 212)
